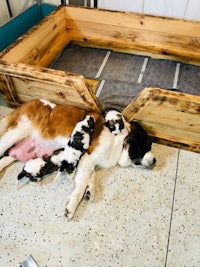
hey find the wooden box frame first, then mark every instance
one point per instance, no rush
(170, 117)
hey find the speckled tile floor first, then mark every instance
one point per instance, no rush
(138, 217)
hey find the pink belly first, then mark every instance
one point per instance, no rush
(29, 148)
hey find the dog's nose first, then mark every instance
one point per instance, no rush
(154, 160)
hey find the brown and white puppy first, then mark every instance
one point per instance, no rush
(44, 127)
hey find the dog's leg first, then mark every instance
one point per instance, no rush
(83, 174)
(74, 200)
(10, 138)
(14, 135)
(89, 192)
(5, 161)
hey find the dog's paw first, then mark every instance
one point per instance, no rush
(88, 195)
(68, 212)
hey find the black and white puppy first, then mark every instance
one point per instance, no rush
(77, 145)
(62, 160)
(115, 122)
(36, 169)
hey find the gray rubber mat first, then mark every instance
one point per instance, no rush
(122, 76)
(189, 79)
(81, 60)
(159, 73)
(122, 67)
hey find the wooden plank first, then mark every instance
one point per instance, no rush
(171, 134)
(169, 117)
(161, 116)
(165, 135)
(37, 89)
(42, 43)
(165, 98)
(134, 20)
(35, 82)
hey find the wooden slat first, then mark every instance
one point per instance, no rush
(170, 117)
(165, 135)
(50, 84)
(42, 43)
(36, 89)
(165, 98)
(182, 121)
(175, 127)
(134, 20)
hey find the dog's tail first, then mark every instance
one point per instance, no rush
(5, 161)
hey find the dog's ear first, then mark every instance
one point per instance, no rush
(91, 123)
(139, 141)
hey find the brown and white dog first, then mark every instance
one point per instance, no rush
(44, 127)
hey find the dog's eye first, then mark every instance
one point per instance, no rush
(112, 127)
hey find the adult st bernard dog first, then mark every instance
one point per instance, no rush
(41, 128)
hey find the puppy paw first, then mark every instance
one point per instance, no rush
(36, 181)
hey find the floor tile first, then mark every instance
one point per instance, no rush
(126, 225)
(184, 247)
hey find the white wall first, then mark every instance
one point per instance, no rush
(184, 9)
(17, 7)
(53, 2)
(4, 15)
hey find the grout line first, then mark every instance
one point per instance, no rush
(177, 71)
(98, 92)
(103, 65)
(172, 210)
(143, 70)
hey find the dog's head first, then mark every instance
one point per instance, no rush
(137, 148)
(87, 125)
(115, 122)
(80, 138)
